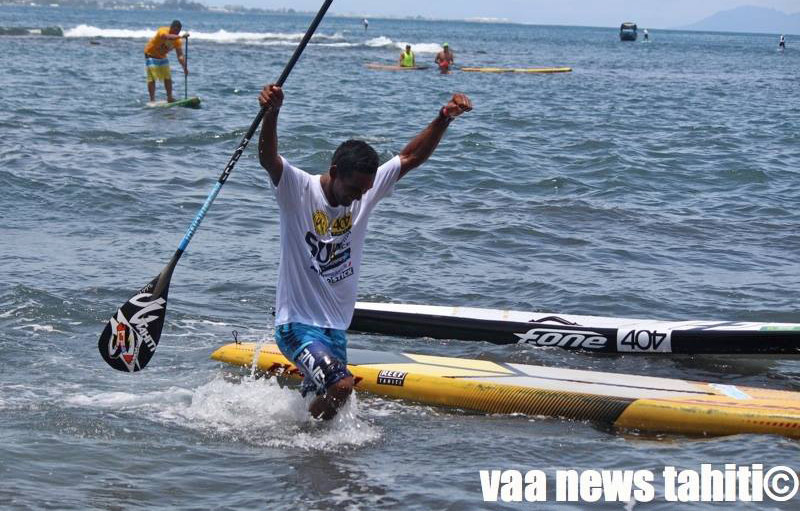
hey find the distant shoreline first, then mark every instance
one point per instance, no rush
(191, 6)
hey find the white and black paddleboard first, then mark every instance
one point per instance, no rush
(571, 332)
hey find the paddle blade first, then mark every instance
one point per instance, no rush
(131, 336)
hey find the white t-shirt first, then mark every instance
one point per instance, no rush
(321, 247)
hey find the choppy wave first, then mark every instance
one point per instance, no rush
(335, 40)
(221, 36)
(385, 42)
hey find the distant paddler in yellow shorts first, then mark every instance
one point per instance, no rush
(155, 54)
(407, 58)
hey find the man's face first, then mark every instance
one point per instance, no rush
(174, 30)
(351, 187)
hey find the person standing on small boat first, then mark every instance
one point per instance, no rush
(782, 43)
(444, 59)
(407, 58)
(156, 62)
(366, 24)
(323, 223)
(646, 36)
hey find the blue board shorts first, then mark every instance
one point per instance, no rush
(319, 353)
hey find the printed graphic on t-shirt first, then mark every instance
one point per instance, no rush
(329, 246)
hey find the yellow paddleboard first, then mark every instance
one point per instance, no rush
(624, 401)
(517, 69)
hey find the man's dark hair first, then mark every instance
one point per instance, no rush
(175, 24)
(355, 156)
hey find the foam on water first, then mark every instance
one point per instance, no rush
(336, 40)
(38, 328)
(220, 36)
(90, 31)
(379, 42)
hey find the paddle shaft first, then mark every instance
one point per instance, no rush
(247, 136)
(186, 75)
(131, 336)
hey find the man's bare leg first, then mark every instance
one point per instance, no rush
(325, 407)
(151, 89)
(168, 87)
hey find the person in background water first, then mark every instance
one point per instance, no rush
(444, 59)
(323, 224)
(366, 24)
(646, 35)
(782, 43)
(156, 62)
(407, 58)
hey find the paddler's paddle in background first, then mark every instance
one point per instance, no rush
(186, 75)
(131, 336)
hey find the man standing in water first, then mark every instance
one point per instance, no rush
(155, 54)
(323, 226)
(444, 59)
(407, 58)
(782, 43)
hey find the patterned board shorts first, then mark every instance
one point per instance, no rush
(320, 353)
(157, 69)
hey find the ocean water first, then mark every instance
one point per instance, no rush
(656, 180)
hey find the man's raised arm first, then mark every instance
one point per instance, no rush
(422, 146)
(271, 98)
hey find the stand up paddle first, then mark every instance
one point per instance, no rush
(131, 336)
(194, 101)
(186, 75)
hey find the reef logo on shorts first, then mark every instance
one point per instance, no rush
(396, 378)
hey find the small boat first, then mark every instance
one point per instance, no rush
(627, 31)
(578, 333)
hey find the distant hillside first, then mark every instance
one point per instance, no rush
(750, 19)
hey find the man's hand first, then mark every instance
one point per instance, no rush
(459, 104)
(186, 35)
(271, 97)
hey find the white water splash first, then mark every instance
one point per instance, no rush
(253, 411)
(38, 328)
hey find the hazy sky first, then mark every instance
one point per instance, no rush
(646, 13)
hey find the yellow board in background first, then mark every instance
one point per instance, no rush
(517, 69)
